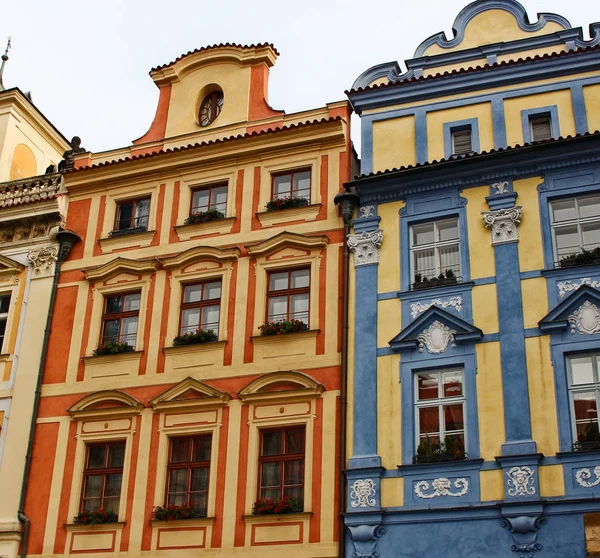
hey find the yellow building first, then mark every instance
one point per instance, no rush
(474, 308)
(193, 370)
(32, 207)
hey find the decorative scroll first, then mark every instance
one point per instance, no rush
(504, 224)
(584, 474)
(565, 287)
(520, 479)
(586, 319)
(365, 247)
(442, 487)
(362, 494)
(417, 308)
(43, 259)
(436, 338)
(500, 187)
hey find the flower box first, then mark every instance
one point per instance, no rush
(204, 216)
(95, 517)
(175, 513)
(280, 327)
(285, 203)
(271, 506)
(445, 278)
(113, 348)
(193, 338)
(586, 257)
(125, 232)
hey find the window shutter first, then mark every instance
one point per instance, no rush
(540, 129)
(461, 142)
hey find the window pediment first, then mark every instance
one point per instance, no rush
(106, 404)
(281, 385)
(580, 311)
(188, 395)
(121, 265)
(9, 268)
(287, 240)
(201, 253)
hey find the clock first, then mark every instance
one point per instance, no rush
(211, 108)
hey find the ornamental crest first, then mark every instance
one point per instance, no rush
(500, 187)
(366, 211)
(583, 475)
(504, 224)
(436, 338)
(565, 287)
(442, 487)
(520, 479)
(586, 319)
(417, 308)
(42, 260)
(363, 494)
(365, 247)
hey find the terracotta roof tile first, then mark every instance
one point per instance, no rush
(212, 47)
(206, 143)
(471, 69)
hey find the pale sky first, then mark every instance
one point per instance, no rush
(86, 63)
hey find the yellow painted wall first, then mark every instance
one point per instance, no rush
(535, 301)
(437, 119)
(485, 308)
(491, 485)
(591, 95)
(23, 163)
(389, 423)
(392, 492)
(514, 106)
(389, 275)
(481, 252)
(552, 481)
(394, 143)
(531, 255)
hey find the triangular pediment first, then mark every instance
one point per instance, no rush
(435, 331)
(581, 309)
(189, 394)
(287, 240)
(9, 268)
(121, 266)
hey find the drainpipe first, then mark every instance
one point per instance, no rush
(347, 201)
(67, 239)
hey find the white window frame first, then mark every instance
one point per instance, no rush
(435, 246)
(595, 386)
(6, 316)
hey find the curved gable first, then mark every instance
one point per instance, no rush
(121, 265)
(287, 240)
(277, 385)
(106, 403)
(201, 253)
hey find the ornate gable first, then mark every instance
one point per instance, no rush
(580, 311)
(435, 331)
(200, 253)
(188, 395)
(121, 266)
(287, 240)
(281, 385)
(106, 404)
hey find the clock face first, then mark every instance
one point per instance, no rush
(211, 108)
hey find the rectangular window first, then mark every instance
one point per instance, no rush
(440, 416)
(540, 127)
(584, 388)
(435, 250)
(281, 464)
(188, 472)
(132, 214)
(575, 225)
(4, 308)
(102, 477)
(294, 184)
(201, 307)
(120, 318)
(209, 197)
(461, 140)
(288, 296)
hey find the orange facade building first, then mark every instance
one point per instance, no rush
(194, 355)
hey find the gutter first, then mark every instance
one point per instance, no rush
(347, 201)
(67, 239)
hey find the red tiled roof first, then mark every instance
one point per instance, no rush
(474, 155)
(471, 69)
(206, 143)
(212, 47)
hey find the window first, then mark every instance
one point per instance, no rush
(288, 295)
(584, 388)
(4, 307)
(120, 318)
(435, 250)
(440, 410)
(294, 184)
(102, 477)
(461, 140)
(211, 108)
(201, 307)
(575, 225)
(132, 214)
(281, 464)
(209, 197)
(540, 127)
(188, 472)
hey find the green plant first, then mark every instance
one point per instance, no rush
(585, 257)
(94, 517)
(280, 327)
(195, 337)
(285, 203)
(113, 348)
(172, 513)
(271, 506)
(204, 216)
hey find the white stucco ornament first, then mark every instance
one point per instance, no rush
(584, 474)
(436, 338)
(42, 260)
(417, 308)
(586, 319)
(441, 487)
(520, 479)
(565, 287)
(362, 494)
(366, 211)
(365, 247)
(504, 224)
(500, 187)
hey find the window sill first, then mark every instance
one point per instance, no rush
(192, 522)
(301, 213)
(118, 526)
(132, 240)
(104, 366)
(576, 270)
(298, 516)
(116, 357)
(194, 358)
(216, 226)
(267, 339)
(410, 469)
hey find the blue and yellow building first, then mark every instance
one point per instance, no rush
(475, 294)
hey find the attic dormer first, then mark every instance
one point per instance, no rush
(214, 91)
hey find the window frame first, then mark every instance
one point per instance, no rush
(135, 202)
(217, 100)
(5, 317)
(104, 471)
(189, 465)
(291, 173)
(289, 292)
(457, 126)
(200, 304)
(120, 316)
(210, 188)
(528, 114)
(572, 389)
